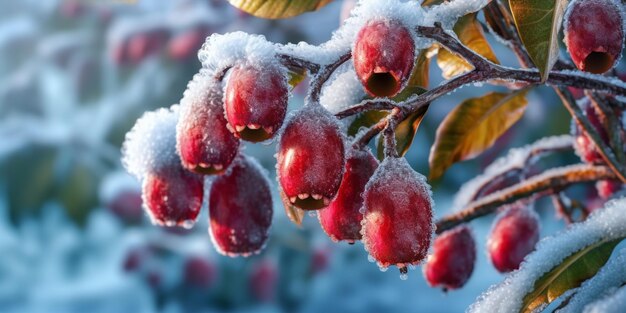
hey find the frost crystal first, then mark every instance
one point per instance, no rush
(611, 304)
(151, 143)
(606, 224)
(515, 159)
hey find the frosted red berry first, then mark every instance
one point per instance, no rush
(127, 206)
(383, 56)
(452, 261)
(607, 188)
(594, 34)
(264, 280)
(311, 158)
(185, 45)
(341, 220)
(240, 209)
(514, 235)
(173, 196)
(398, 218)
(585, 148)
(256, 101)
(204, 143)
(199, 272)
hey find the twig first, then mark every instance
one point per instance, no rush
(551, 181)
(295, 62)
(324, 74)
(390, 134)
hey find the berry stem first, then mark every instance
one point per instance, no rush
(610, 120)
(551, 182)
(390, 134)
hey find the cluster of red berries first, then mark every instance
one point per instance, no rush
(388, 206)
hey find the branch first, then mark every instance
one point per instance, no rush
(295, 62)
(324, 74)
(390, 134)
(550, 182)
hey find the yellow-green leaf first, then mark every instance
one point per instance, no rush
(570, 274)
(296, 76)
(470, 32)
(275, 9)
(538, 23)
(419, 76)
(473, 126)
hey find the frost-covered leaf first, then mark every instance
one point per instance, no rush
(276, 9)
(470, 32)
(574, 270)
(473, 126)
(365, 119)
(538, 23)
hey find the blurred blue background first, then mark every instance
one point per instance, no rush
(74, 77)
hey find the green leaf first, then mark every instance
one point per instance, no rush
(405, 133)
(275, 9)
(470, 32)
(473, 126)
(296, 76)
(538, 23)
(571, 273)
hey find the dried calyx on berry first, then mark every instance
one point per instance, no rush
(383, 56)
(311, 158)
(255, 100)
(594, 34)
(204, 143)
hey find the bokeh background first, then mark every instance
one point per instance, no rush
(74, 77)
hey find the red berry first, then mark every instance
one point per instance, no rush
(514, 235)
(383, 57)
(173, 196)
(320, 260)
(263, 280)
(585, 148)
(199, 272)
(204, 143)
(256, 101)
(607, 188)
(135, 259)
(311, 158)
(341, 220)
(127, 206)
(398, 218)
(144, 44)
(240, 209)
(594, 34)
(185, 46)
(452, 261)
